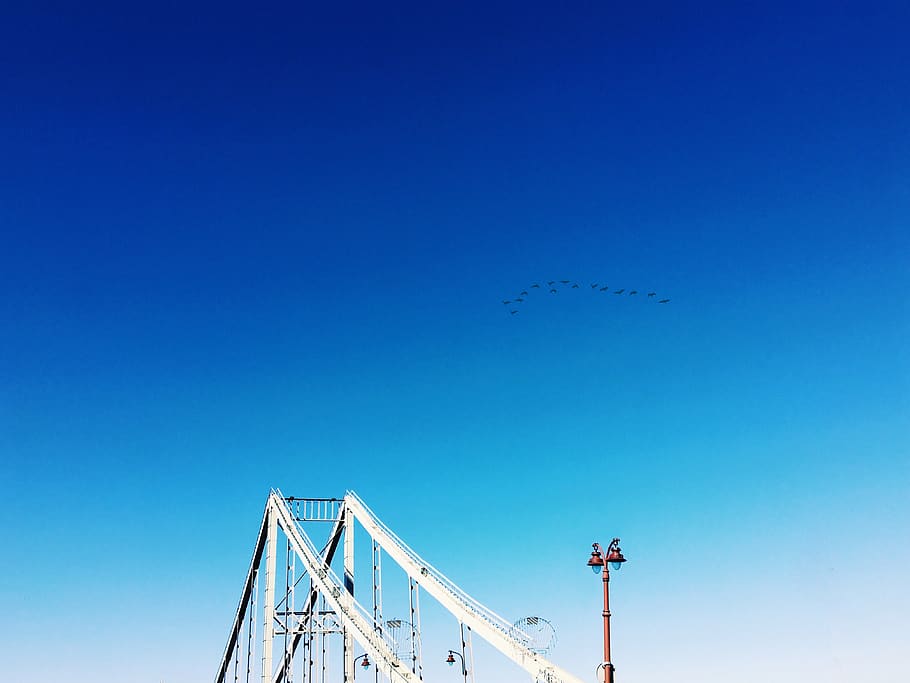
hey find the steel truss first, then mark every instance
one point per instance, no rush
(308, 608)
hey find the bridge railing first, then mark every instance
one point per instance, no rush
(314, 509)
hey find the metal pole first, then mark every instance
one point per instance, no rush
(464, 667)
(288, 607)
(377, 596)
(470, 652)
(322, 641)
(411, 598)
(348, 636)
(608, 666)
(251, 625)
(268, 630)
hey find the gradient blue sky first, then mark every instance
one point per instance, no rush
(246, 247)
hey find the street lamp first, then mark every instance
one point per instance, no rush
(450, 660)
(365, 664)
(598, 562)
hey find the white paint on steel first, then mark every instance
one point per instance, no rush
(268, 606)
(349, 590)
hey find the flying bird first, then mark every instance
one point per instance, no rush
(564, 282)
(552, 291)
(634, 291)
(651, 293)
(604, 288)
(535, 286)
(664, 301)
(513, 312)
(594, 286)
(506, 301)
(620, 291)
(551, 282)
(519, 300)
(575, 286)
(524, 293)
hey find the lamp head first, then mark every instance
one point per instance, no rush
(614, 554)
(450, 660)
(365, 663)
(596, 561)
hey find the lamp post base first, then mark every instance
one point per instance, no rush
(605, 672)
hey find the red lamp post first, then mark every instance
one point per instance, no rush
(598, 563)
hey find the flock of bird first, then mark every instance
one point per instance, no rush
(553, 287)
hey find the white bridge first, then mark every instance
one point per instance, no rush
(311, 628)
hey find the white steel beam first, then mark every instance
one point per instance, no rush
(268, 605)
(348, 591)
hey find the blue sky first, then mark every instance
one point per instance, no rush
(252, 247)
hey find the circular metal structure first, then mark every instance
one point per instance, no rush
(403, 639)
(540, 632)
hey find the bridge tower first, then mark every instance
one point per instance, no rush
(311, 626)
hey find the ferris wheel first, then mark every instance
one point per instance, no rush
(540, 632)
(403, 637)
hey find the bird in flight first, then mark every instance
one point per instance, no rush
(634, 291)
(535, 286)
(552, 291)
(513, 312)
(620, 291)
(506, 301)
(575, 286)
(594, 286)
(519, 300)
(651, 293)
(664, 301)
(564, 282)
(524, 293)
(551, 282)
(604, 288)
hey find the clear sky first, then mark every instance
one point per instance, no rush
(247, 246)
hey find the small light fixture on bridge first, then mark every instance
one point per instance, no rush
(366, 661)
(450, 660)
